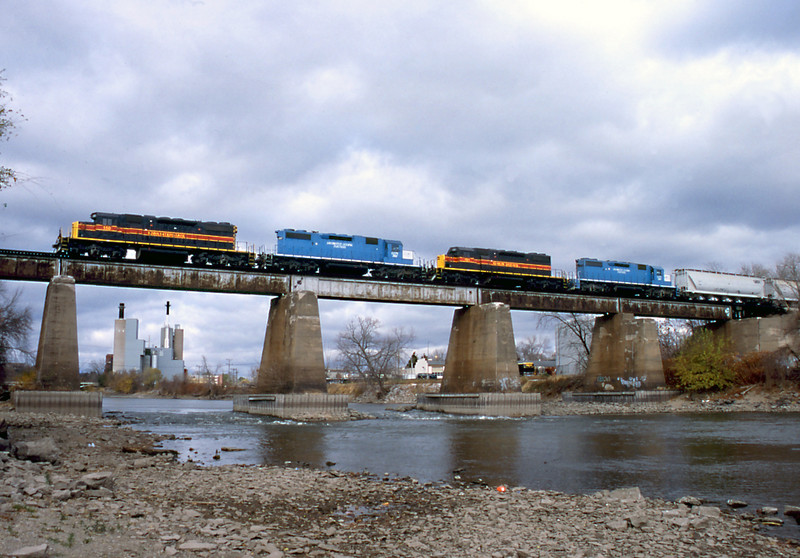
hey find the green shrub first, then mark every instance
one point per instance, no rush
(704, 363)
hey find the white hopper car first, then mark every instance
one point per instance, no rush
(714, 285)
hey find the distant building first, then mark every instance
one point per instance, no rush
(424, 367)
(339, 376)
(130, 352)
(207, 379)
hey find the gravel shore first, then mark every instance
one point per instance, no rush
(99, 488)
(756, 399)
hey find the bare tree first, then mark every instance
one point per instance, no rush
(673, 333)
(7, 116)
(533, 348)
(204, 370)
(755, 270)
(788, 269)
(15, 325)
(714, 266)
(373, 357)
(574, 336)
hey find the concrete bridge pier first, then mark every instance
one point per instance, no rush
(292, 365)
(481, 354)
(769, 334)
(624, 355)
(481, 375)
(57, 355)
(292, 360)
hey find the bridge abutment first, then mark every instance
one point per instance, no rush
(57, 356)
(624, 354)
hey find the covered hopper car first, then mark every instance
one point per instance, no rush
(714, 285)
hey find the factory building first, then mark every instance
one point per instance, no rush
(131, 353)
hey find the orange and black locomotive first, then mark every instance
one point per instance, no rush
(145, 237)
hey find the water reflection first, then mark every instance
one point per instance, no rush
(297, 444)
(484, 453)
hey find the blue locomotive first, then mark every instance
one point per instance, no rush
(610, 276)
(342, 254)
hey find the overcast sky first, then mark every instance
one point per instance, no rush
(656, 132)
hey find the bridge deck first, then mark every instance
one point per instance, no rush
(34, 266)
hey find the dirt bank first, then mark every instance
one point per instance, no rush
(105, 490)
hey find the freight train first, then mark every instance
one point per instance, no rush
(204, 243)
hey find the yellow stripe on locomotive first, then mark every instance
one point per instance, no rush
(503, 262)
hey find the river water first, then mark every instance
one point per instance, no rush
(753, 457)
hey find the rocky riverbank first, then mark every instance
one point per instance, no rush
(94, 487)
(751, 399)
(745, 399)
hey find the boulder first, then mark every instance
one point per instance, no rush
(638, 520)
(707, 511)
(690, 501)
(93, 481)
(617, 524)
(197, 546)
(632, 494)
(37, 450)
(736, 503)
(38, 551)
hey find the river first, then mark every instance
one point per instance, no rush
(753, 457)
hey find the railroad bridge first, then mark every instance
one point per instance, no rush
(481, 355)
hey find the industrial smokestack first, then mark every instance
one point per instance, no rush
(121, 310)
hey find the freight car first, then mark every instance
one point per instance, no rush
(154, 239)
(611, 277)
(714, 285)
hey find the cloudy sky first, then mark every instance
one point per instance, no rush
(657, 132)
